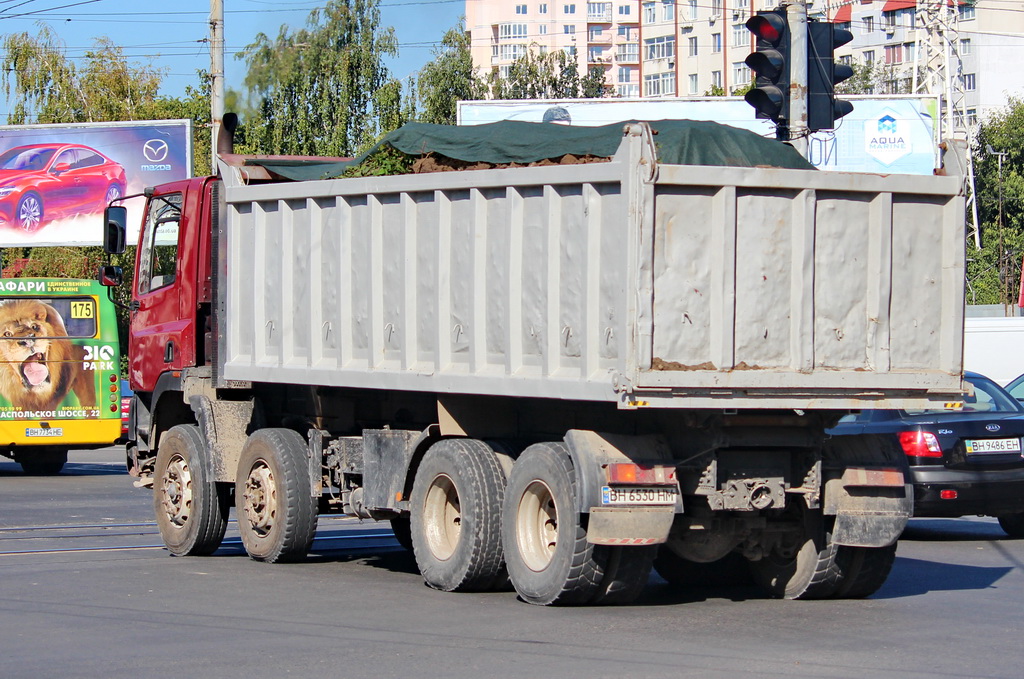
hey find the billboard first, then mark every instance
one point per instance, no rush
(885, 135)
(55, 180)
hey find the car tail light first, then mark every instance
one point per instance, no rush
(920, 444)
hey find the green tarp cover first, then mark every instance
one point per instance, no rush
(679, 142)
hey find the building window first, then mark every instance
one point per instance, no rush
(740, 35)
(691, 44)
(668, 10)
(889, 19)
(625, 10)
(969, 83)
(716, 7)
(742, 4)
(520, 9)
(595, 32)
(660, 48)
(659, 84)
(908, 51)
(568, 29)
(692, 7)
(627, 32)
(965, 46)
(599, 11)
(568, 9)
(512, 52)
(740, 73)
(543, 29)
(503, 72)
(628, 53)
(894, 54)
(595, 55)
(967, 11)
(869, 56)
(506, 31)
(716, 79)
(972, 116)
(868, 23)
(543, 8)
(625, 74)
(628, 90)
(693, 83)
(649, 13)
(716, 42)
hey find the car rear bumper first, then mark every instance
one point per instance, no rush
(988, 492)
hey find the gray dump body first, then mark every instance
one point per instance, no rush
(646, 284)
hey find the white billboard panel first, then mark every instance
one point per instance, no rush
(55, 180)
(884, 135)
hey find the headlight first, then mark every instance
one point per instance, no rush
(6, 191)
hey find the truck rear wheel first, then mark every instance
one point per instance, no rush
(864, 570)
(275, 510)
(191, 509)
(626, 574)
(803, 567)
(456, 517)
(549, 558)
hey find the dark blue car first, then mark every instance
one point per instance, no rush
(967, 460)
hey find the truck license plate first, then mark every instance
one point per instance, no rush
(993, 445)
(662, 495)
(39, 431)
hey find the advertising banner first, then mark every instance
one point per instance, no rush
(55, 180)
(885, 135)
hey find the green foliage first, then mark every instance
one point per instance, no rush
(323, 89)
(385, 162)
(553, 75)
(449, 78)
(993, 272)
(877, 78)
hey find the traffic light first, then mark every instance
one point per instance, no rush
(823, 74)
(770, 64)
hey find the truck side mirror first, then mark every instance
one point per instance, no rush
(110, 276)
(115, 220)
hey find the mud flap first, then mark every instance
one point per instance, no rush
(629, 526)
(871, 506)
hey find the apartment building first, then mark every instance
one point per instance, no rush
(988, 47)
(668, 48)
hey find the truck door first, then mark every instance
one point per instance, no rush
(158, 326)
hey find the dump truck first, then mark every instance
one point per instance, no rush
(546, 375)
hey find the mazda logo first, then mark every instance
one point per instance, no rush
(155, 150)
(992, 427)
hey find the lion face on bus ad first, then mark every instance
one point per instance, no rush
(39, 366)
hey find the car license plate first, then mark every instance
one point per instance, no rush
(39, 431)
(660, 495)
(992, 445)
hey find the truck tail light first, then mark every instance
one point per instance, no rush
(920, 444)
(638, 474)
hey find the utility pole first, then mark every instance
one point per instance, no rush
(1004, 271)
(216, 77)
(796, 15)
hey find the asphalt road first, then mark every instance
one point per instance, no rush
(88, 591)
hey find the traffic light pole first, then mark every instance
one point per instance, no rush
(796, 15)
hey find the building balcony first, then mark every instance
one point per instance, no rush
(603, 39)
(626, 59)
(600, 17)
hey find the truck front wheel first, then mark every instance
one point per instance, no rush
(191, 509)
(456, 517)
(275, 509)
(549, 558)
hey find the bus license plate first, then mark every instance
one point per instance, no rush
(638, 496)
(39, 431)
(993, 445)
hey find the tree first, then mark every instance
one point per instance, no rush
(877, 78)
(449, 78)
(553, 75)
(993, 272)
(318, 90)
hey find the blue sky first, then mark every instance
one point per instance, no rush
(171, 34)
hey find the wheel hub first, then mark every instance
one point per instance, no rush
(260, 499)
(176, 491)
(442, 517)
(537, 526)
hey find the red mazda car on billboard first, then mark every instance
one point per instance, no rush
(43, 182)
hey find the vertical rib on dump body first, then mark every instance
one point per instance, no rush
(630, 281)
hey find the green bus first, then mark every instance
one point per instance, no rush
(60, 387)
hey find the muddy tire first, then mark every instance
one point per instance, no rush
(275, 511)
(191, 508)
(864, 570)
(43, 463)
(808, 570)
(546, 549)
(732, 570)
(455, 515)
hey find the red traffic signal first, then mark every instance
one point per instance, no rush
(770, 64)
(770, 26)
